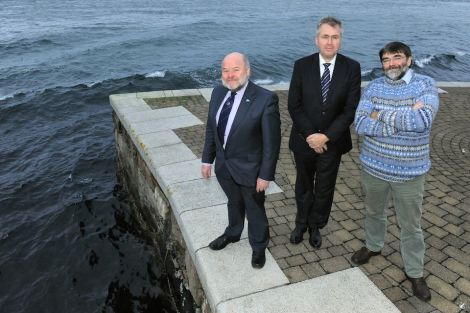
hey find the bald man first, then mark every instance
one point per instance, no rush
(243, 136)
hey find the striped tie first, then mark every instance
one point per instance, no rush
(223, 116)
(325, 81)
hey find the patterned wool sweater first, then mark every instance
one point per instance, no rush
(396, 144)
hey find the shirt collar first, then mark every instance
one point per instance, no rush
(407, 77)
(332, 62)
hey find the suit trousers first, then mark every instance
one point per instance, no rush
(243, 199)
(407, 200)
(315, 187)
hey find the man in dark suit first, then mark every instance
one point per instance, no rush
(243, 136)
(323, 96)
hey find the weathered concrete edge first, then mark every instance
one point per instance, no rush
(339, 292)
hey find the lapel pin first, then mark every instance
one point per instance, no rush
(247, 100)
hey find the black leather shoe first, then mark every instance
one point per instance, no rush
(297, 235)
(221, 242)
(363, 255)
(258, 258)
(420, 288)
(315, 237)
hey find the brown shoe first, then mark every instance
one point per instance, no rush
(420, 288)
(363, 255)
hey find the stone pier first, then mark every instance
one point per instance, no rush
(159, 138)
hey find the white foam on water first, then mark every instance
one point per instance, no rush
(159, 74)
(264, 81)
(422, 62)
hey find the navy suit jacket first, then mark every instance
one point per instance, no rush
(253, 144)
(332, 118)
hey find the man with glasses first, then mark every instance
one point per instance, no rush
(394, 117)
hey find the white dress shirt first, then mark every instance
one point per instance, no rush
(233, 112)
(331, 67)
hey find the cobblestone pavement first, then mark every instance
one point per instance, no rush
(446, 212)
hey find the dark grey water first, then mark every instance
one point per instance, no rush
(67, 240)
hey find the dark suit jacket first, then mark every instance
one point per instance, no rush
(254, 140)
(310, 115)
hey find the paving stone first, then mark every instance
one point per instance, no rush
(313, 270)
(437, 231)
(311, 257)
(405, 307)
(443, 304)
(354, 214)
(434, 219)
(450, 200)
(334, 264)
(441, 272)
(395, 294)
(295, 274)
(380, 262)
(396, 259)
(323, 254)
(349, 225)
(337, 250)
(435, 254)
(434, 209)
(395, 273)
(354, 244)
(453, 226)
(457, 254)
(444, 289)
(380, 281)
(280, 240)
(282, 229)
(420, 306)
(436, 242)
(279, 252)
(463, 301)
(295, 260)
(282, 263)
(296, 249)
(338, 216)
(454, 241)
(463, 285)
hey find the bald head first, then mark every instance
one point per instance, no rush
(235, 70)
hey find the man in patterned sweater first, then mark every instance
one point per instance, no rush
(394, 117)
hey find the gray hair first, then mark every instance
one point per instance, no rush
(244, 58)
(332, 21)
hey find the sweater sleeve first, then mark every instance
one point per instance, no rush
(364, 124)
(415, 120)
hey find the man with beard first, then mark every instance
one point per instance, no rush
(394, 117)
(243, 135)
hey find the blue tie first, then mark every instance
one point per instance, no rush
(325, 81)
(224, 114)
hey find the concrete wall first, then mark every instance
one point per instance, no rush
(152, 211)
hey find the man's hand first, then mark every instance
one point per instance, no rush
(320, 150)
(318, 142)
(374, 115)
(261, 185)
(206, 171)
(418, 105)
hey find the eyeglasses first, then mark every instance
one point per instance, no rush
(397, 58)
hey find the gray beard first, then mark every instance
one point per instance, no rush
(396, 73)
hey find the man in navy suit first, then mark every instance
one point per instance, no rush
(243, 136)
(323, 96)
